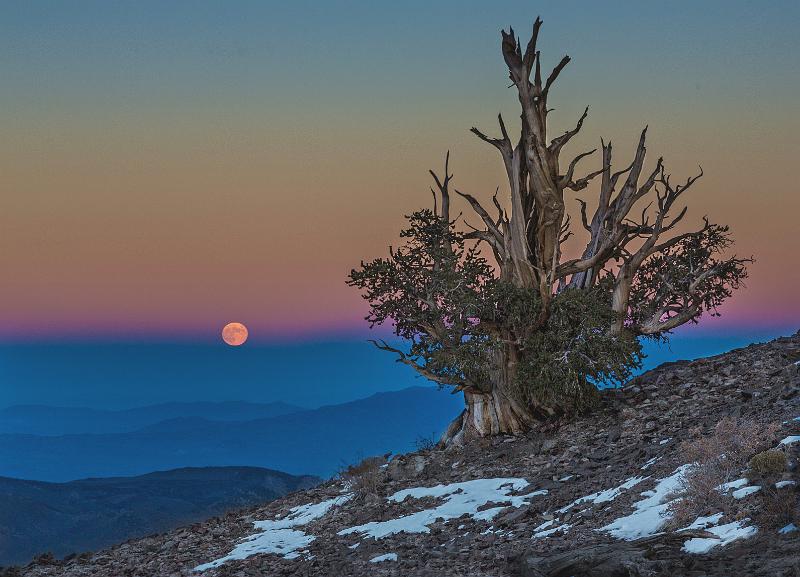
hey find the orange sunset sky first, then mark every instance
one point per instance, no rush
(168, 167)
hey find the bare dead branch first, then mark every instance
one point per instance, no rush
(558, 143)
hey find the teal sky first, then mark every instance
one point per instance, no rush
(170, 166)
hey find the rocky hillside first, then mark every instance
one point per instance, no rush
(601, 495)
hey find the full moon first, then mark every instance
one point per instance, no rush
(234, 334)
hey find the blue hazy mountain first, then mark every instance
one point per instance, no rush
(86, 515)
(44, 420)
(317, 442)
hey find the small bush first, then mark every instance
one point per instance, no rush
(426, 443)
(365, 478)
(776, 507)
(770, 462)
(45, 559)
(718, 458)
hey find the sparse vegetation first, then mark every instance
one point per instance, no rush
(719, 457)
(365, 477)
(777, 507)
(770, 462)
(428, 443)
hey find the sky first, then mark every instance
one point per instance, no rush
(168, 167)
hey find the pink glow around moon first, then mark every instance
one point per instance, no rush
(234, 334)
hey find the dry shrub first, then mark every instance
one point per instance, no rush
(718, 458)
(770, 462)
(365, 478)
(777, 507)
(429, 443)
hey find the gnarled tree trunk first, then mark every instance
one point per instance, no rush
(495, 411)
(487, 414)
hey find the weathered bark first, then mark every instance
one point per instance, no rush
(495, 411)
(487, 414)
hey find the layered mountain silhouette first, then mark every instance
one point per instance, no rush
(317, 442)
(64, 518)
(44, 420)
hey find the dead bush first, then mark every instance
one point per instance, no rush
(718, 458)
(426, 443)
(776, 507)
(770, 462)
(366, 477)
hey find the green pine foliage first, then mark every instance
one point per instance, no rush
(467, 328)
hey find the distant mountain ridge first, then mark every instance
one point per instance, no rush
(46, 420)
(88, 514)
(598, 495)
(318, 441)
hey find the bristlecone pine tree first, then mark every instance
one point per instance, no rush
(528, 336)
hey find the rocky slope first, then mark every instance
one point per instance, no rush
(591, 497)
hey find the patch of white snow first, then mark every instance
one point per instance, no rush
(725, 534)
(745, 491)
(782, 484)
(545, 529)
(459, 499)
(791, 439)
(382, 558)
(545, 525)
(788, 529)
(279, 536)
(649, 463)
(604, 496)
(703, 522)
(737, 484)
(650, 513)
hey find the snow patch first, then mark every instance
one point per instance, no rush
(791, 439)
(788, 529)
(650, 513)
(459, 499)
(782, 484)
(545, 525)
(725, 534)
(649, 463)
(742, 490)
(545, 529)
(279, 536)
(745, 491)
(382, 558)
(604, 496)
(703, 522)
(738, 483)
